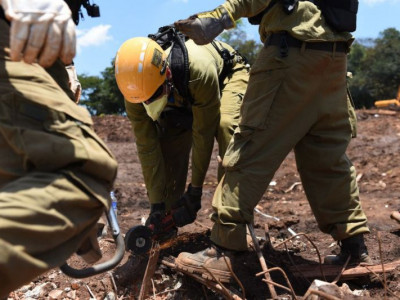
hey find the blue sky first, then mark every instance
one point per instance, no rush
(100, 38)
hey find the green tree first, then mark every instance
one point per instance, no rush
(381, 66)
(375, 65)
(355, 58)
(90, 87)
(237, 38)
(361, 95)
(101, 94)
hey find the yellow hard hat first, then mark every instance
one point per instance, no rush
(140, 69)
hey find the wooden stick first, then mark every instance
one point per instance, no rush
(113, 282)
(262, 262)
(290, 288)
(208, 283)
(150, 269)
(331, 271)
(320, 293)
(312, 243)
(378, 235)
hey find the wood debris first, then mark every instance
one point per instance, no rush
(331, 271)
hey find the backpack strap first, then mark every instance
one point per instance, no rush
(229, 60)
(179, 64)
(75, 6)
(168, 36)
(341, 15)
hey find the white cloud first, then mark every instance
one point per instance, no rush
(373, 2)
(94, 36)
(184, 1)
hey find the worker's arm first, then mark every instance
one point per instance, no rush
(205, 91)
(204, 27)
(149, 151)
(204, 88)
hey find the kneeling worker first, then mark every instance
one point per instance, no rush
(179, 101)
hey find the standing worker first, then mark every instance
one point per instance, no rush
(55, 172)
(296, 99)
(179, 100)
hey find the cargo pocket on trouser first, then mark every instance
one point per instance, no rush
(266, 78)
(99, 156)
(235, 153)
(58, 143)
(92, 163)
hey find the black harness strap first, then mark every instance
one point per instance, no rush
(228, 61)
(168, 36)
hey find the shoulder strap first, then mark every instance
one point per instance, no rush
(92, 10)
(228, 58)
(179, 63)
(168, 36)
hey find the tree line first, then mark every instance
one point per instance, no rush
(374, 64)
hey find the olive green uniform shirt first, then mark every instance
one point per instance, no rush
(306, 23)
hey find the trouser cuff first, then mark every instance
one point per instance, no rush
(231, 237)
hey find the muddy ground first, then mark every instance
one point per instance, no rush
(375, 153)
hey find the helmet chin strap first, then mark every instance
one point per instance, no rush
(164, 68)
(168, 81)
(165, 64)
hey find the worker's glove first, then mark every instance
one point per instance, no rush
(157, 214)
(73, 81)
(202, 28)
(185, 210)
(40, 29)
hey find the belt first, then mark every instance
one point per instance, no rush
(285, 40)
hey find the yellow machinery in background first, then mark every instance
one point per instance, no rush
(395, 103)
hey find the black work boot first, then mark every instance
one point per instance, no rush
(353, 246)
(211, 260)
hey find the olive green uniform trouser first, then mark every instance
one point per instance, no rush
(297, 102)
(55, 173)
